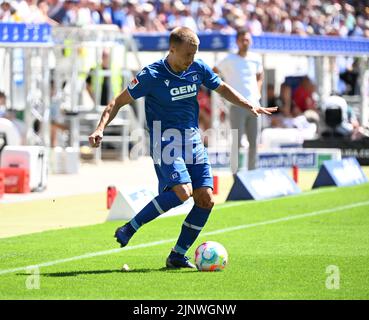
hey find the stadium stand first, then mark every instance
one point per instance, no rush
(311, 17)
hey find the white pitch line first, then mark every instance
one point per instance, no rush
(288, 218)
(151, 244)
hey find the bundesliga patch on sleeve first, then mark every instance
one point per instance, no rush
(133, 83)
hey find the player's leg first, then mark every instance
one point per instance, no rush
(202, 182)
(196, 219)
(252, 134)
(162, 203)
(191, 228)
(237, 117)
(175, 189)
(176, 184)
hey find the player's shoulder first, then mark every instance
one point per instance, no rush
(145, 77)
(199, 65)
(153, 69)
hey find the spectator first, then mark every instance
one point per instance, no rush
(57, 10)
(272, 100)
(96, 14)
(254, 25)
(329, 17)
(27, 11)
(307, 121)
(303, 97)
(131, 12)
(84, 14)
(6, 12)
(43, 17)
(101, 82)
(222, 26)
(113, 13)
(57, 121)
(340, 119)
(244, 72)
(11, 115)
(149, 20)
(350, 77)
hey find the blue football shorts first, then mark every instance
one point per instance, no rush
(182, 165)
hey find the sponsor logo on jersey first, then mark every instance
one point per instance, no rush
(133, 83)
(195, 77)
(183, 92)
(166, 82)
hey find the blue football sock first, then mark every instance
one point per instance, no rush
(191, 228)
(160, 204)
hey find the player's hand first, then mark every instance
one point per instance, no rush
(260, 110)
(95, 138)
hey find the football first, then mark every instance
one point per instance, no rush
(211, 256)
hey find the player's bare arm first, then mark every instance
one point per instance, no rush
(234, 97)
(107, 116)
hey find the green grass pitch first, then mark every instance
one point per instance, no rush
(278, 249)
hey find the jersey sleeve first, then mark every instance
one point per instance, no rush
(210, 79)
(141, 84)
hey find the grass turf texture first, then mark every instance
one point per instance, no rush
(283, 260)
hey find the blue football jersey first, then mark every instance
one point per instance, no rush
(172, 97)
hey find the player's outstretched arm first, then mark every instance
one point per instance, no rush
(234, 97)
(107, 116)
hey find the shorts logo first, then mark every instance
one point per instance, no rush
(174, 175)
(133, 83)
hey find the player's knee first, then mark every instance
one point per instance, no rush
(204, 199)
(205, 203)
(183, 191)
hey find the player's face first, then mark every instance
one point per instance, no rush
(184, 55)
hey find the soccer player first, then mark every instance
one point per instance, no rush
(170, 87)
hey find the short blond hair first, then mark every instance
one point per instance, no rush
(181, 35)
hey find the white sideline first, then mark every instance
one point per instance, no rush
(151, 244)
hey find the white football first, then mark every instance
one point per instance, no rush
(211, 256)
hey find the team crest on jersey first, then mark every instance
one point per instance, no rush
(166, 82)
(195, 77)
(174, 175)
(133, 83)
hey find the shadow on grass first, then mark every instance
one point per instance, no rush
(97, 272)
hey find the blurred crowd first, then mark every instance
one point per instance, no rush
(299, 107)
(320, 17)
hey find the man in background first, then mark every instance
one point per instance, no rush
(244, 72)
